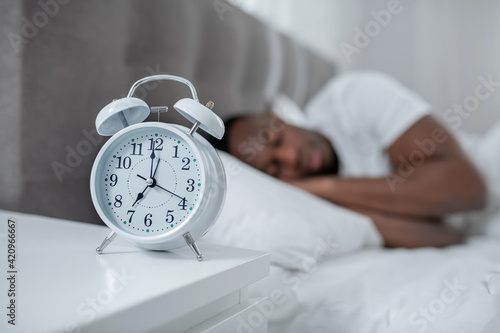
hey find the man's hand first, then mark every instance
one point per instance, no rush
(412, 231)
(398, 230)
(317, 185)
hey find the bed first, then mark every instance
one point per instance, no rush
(330, 272)
(379, 290)
(335, 276)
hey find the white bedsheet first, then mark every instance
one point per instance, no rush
(456, 289)
(450, 290)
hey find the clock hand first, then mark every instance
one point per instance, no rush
(152, 158)
(140, 196)
(153, 184)
(164, 189)
(156, 168)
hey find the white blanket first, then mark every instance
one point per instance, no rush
(456, 289)
(351, 284)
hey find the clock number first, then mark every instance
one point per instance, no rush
(182, 204)
(156, 143)
(139, 148)
(176, 148)
(114, 180)
(132, 212)
(187, 161)
(127, 162)
(147, 220)
(170, 217)
(190, 182)
(159, 143)
(118, 201)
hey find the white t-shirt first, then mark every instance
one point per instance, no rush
(362, 114)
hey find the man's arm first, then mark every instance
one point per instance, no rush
(410, 231)
(431, 177)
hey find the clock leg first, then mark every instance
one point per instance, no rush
(109, 238)
(190, 242)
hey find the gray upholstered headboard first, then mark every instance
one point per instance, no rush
(90, 52)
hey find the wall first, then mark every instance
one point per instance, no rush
(438, 48)
(62, 63)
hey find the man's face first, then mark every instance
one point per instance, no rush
(280, 150)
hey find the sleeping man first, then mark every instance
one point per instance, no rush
(372, 146)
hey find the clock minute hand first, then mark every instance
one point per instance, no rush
(152, 158)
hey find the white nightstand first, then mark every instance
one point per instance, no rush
(63, 286)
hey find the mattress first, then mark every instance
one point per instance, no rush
(330, 273)
(456, 289)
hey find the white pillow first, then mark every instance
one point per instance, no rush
(297, 228)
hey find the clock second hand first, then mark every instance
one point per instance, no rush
(164, 189)
(178, 196)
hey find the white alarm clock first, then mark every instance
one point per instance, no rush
(160, 186)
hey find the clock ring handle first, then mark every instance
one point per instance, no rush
(200, 115)
(130, 110)
(165, 77)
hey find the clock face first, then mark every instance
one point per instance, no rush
(149, 180)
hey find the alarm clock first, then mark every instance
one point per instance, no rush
(161, 186)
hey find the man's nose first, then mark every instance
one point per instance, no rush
(288, 155)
